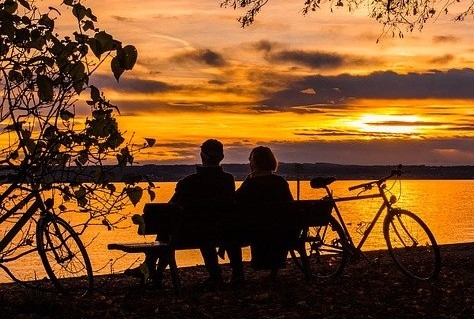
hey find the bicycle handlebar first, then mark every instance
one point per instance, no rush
(395, 172)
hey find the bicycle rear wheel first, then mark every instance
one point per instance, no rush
(321, 250)
(411, 245)
(64, 256)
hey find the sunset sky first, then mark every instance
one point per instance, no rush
(315, 88)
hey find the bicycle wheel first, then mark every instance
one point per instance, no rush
(64, 256)
(321, 250)
(411, 245)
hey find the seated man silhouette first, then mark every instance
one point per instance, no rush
(210, 184)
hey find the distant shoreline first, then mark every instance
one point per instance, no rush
(307, 171)
(290, 171)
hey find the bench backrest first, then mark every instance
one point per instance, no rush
(194, 225)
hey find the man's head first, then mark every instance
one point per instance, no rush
(212, 152)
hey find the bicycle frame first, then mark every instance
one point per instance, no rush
(36, 206)
(386, 205)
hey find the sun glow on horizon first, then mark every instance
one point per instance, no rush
(388, 124)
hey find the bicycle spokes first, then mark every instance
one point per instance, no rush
(64, 256)
(323, 250)
(412, 245)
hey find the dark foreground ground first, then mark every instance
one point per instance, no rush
(363, 291)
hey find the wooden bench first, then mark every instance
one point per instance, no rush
(191, 227)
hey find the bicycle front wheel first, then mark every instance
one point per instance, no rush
(64, 256)
(321, 250)
(411, 245)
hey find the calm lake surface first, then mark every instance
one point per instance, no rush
(446, 206)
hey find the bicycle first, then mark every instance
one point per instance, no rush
(324, 250)
(62, 252)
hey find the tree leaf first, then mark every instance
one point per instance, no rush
(106, 41)
(79, 76)
(95, 47)
(25, 4)
(10, 6)
(66, 115)
(150, 141)
(151, 194)
(127, 57)
(95, 94)
(45, 88)
(88, 25)
(111, 187)
(46, 21)
(116, 67)
(90, 15)
(134, 194)
(79, 11)
(15, 76)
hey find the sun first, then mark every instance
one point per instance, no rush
(388, 124)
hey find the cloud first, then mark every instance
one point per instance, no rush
(276, 52)
(266, 45)
(121, 19)
(324, 133)
(442, 59)
(133, 85)
(405, 123)
(202, 56)
(445, 39)
(314, 60)
(461, 128)
(338, 90)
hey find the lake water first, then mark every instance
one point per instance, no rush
(446, 206)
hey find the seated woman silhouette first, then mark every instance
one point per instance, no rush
(262, 186)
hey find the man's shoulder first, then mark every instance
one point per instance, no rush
(228, 175)
(206, 176)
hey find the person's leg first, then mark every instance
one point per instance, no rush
(209, 255)
(235, 258)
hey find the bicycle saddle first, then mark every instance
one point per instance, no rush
(321, 182)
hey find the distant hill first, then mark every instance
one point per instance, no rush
(306, 171)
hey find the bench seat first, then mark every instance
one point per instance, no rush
(190, 227)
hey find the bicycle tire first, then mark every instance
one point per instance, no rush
(321, 251)
(411, 245)
(64, 256)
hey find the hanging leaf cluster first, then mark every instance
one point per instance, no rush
(395, 16)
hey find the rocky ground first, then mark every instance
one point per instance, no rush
(362, 291)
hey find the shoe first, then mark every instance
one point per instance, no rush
(141, 272)
(134, 272)
(155, 285)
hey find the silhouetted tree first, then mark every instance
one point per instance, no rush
(46, 146)
(396, 16)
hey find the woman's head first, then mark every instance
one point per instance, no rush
(262, 159)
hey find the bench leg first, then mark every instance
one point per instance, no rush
(305, 264)
(306, 268)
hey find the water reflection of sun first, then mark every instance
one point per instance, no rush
(388, 124)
